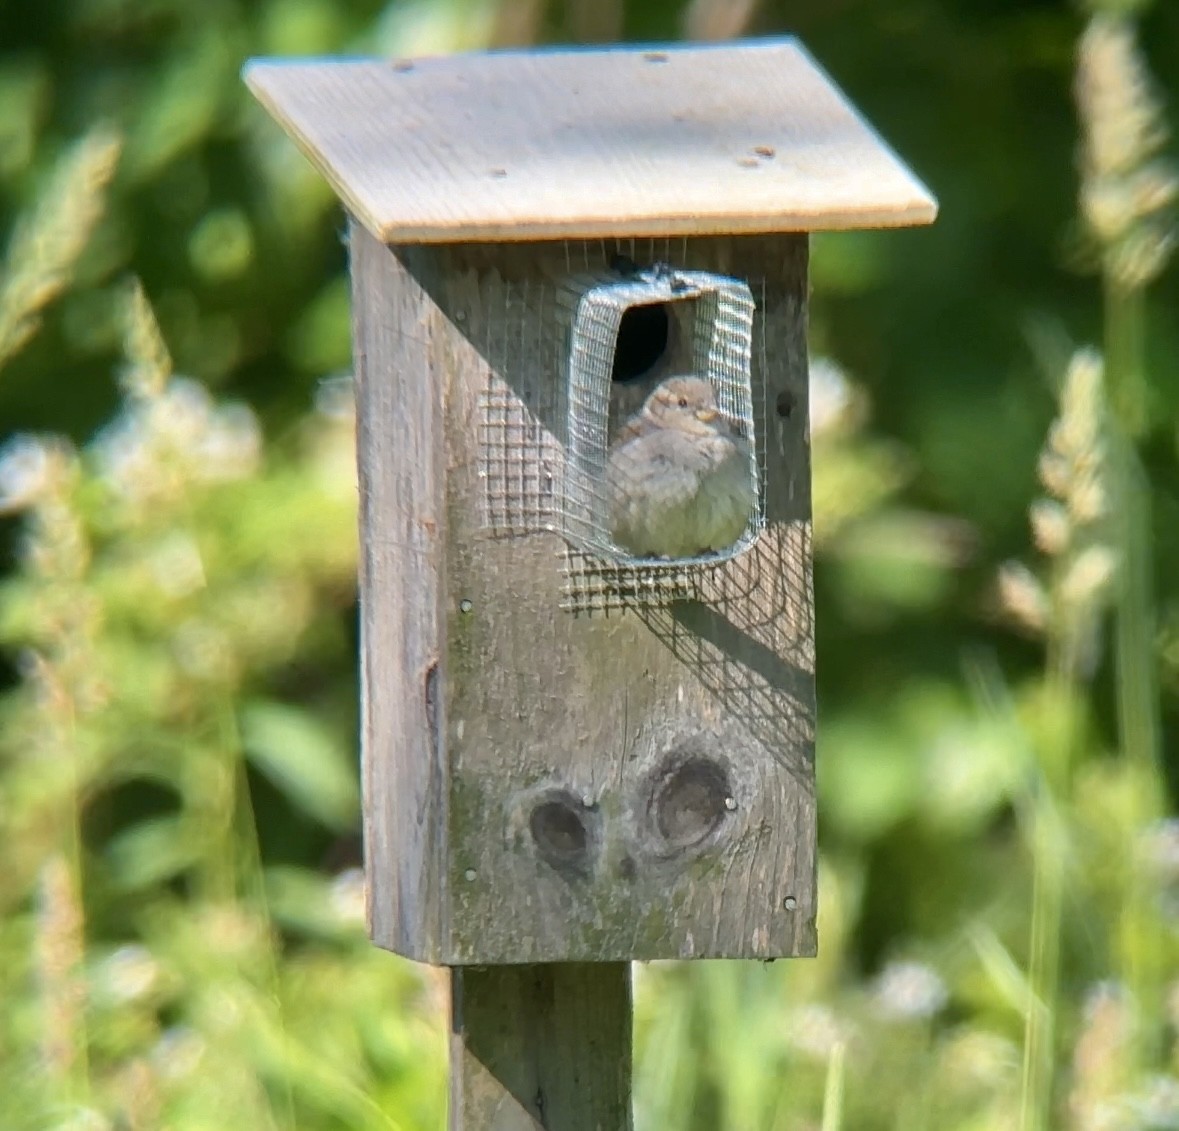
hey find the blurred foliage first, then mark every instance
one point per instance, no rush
(180, 907)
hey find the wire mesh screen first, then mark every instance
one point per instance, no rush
(553, 402)
(714, 315)
(521, 427)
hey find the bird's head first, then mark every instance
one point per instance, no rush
(687, 404)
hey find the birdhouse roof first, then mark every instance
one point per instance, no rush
(579, 144)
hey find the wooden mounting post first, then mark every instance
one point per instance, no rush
(541, 1048)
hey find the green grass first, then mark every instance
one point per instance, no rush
(181, 938)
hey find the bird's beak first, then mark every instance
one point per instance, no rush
(706, 415)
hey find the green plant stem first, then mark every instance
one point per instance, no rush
(1051, 780)
(244, 858)
(1125, 335)
(1134, 651)
(1039, 1053)
(833, 1091)
(61, 927)
(1137, 689)
(81, 1074)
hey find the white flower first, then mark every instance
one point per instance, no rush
(231, 445)
(178, 1052)
(126, 975)
(1157, 1104)
(176, 565)
(26, 472)
(910, 990)
(176, 435)
(816, 1030)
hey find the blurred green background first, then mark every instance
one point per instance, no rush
(179, 935)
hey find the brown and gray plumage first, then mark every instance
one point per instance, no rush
(678, 475)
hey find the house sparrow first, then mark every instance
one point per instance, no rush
(678, 480)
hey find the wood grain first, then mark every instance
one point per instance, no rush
(541, 1048)
(741, 138)
(571, 787)
(402, 528)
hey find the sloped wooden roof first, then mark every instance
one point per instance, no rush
(566, 144)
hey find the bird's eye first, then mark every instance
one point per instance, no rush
(683, 402)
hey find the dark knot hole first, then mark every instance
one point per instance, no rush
(690, 801)
(559, 831)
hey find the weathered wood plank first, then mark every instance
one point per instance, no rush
(402, 523)
(614, 786)
(740, 138)
(541, 1048)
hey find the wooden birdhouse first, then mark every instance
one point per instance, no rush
(577, 749)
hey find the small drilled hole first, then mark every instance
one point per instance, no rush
(643, 336)
(559, 831)
(784, 405)
(690, 802)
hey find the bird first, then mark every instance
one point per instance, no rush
(678, 475)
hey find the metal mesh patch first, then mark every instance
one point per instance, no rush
(718, 328)
(547, 422)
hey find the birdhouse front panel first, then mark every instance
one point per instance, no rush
(581, 754)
